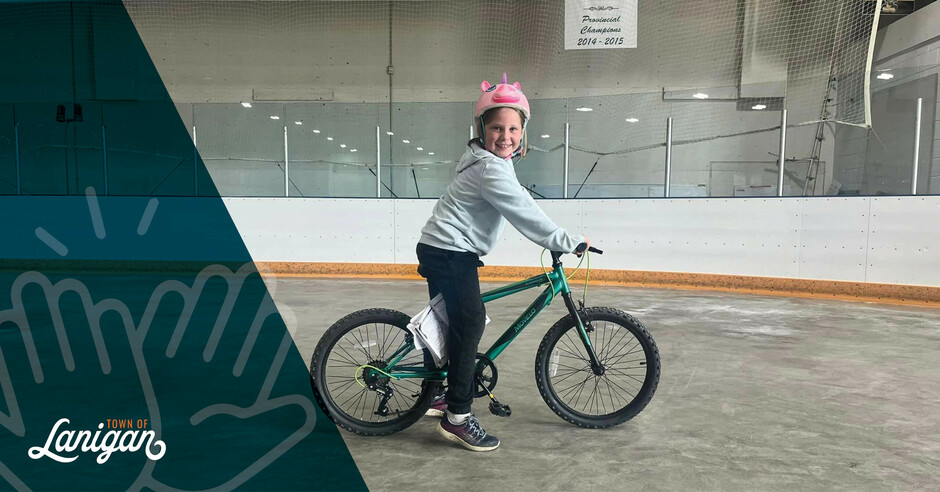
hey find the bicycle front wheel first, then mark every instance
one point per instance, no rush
(361, 400)
(627, 354)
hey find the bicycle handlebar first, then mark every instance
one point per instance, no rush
(557, 254)
(592, 249)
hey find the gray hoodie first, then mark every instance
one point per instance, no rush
(469, 217)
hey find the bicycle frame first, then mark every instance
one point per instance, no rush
(558, 285)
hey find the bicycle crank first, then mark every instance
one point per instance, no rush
(496, 408)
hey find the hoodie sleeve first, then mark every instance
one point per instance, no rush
(501, 189)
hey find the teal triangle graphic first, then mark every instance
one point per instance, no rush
(139, 347)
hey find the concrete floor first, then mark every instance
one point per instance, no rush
(757, 393)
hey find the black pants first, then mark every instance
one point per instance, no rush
(453, 274)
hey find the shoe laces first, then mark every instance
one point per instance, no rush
(473, 427)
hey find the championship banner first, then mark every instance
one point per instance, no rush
(604, 24)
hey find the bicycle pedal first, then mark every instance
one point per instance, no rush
(500, 410)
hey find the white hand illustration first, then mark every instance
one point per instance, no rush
(55, 344)
(228, 347)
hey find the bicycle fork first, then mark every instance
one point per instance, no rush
(583, 333)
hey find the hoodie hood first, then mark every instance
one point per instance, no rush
(475, 153)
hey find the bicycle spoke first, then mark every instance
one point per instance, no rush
(628, 383)
(642, 359)
(376, 326)
(629, 379)
(603, 348)
(586, 368)
(400, 401)
(569, 390)
(349, 358)
(389, 343)
(633, 378)
(569, 374)
(350, 384)
(615, 363)
(623, 335)
(368, 342)
(635, 391)
(581, 389)
(574, 348)
(344, 364)
(340, 377)
(594, 395)
(624, 373)
(619, 356)
(359, 394)
(359, 345)
(610, 396)
(352, 358)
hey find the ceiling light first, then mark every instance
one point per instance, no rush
(246, 105)
(275, 117)
(424, 168)
(316, 131)
(406, 141)
(342, 146)
(759, 106)
(420, 148)
(298, 122)
(329, 138)
(885, 76)
(430, 153)
(389, 133)
(631, 120)
(700, 95)
(354, 150)
(584, 109)
(546, 135)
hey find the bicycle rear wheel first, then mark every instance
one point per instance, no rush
(357, 399)
(570, 387)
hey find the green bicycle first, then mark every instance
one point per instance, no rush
(597, 367)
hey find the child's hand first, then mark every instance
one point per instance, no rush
(579, 250)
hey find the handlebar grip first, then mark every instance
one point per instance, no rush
(592, 249)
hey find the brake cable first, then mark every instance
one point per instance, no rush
(587, 273)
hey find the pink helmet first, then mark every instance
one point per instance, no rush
(502, 95)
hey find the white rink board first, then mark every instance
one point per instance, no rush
(874, 239)
(697, 235)
(904, 244)
(410, 216)
(833, 238)
(315, 229)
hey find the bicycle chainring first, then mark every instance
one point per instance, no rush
(487, 373)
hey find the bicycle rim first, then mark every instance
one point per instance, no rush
(593, 396)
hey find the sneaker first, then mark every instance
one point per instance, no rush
(469, 434)
(438, 406)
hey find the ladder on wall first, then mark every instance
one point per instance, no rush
(812, 169)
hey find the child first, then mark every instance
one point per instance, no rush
(466, 223)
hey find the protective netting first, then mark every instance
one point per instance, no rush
(806, 56)
(410, 66)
